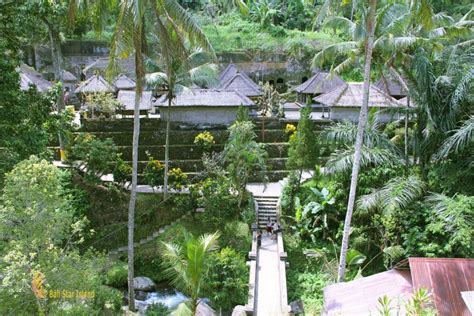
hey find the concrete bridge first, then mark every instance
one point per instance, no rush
(267, 281)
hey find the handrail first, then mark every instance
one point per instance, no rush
(250, 307)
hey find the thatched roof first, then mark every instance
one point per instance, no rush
(69, 77)
(391, 87)
(95, 83)
(404, 101)
(350, 95)
(125, 66)
(320, 83)
(122, 82)
(127, 98)
(30, 77)
(228, 72)
(242, 83)
(207, 97)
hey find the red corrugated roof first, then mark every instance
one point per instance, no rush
(445, 278)
(360, 297)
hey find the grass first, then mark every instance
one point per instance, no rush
(230, 33)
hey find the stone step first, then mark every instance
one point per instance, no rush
(265, 197)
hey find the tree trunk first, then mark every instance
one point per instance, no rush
(139, 73)
(359, 140)
(57, 58)
(405, 135)
(133, 198)
(167, 146)
(194, 306)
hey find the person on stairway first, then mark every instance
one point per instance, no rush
(269, 226)
(259, 238)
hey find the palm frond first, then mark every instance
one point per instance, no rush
(459, 141)
(332, 51)
(187, 24)
(398, 193)
(340, 23)
(341, 160)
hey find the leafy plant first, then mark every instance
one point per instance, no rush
(227, 284)
(205, 140)
(244, 156)
(154, 172)
(102, 104)
(187, 264)
(123, 171)
(98, 156)
(177, 178)
(313, 219)
(157, 309)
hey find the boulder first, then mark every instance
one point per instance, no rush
(239, 310)
(143, 284)
(140, 295)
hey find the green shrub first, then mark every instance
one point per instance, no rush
(227, 284)
(117, 275)
(98, 155)
(154, 172)
(177, 178)
(219, 204)
(158, 309)
(237, 235)
(123, 171)
(205, 140)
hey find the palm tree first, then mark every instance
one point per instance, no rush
(176, 32)
(359, 139)
(176, 75)
(187, 264)
(128, 39)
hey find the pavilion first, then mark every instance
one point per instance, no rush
(345, 101)
(204, 106)
(122, 82)
(30, 77)
(321, 82)
(391, 87)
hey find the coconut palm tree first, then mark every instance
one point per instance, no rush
(359, 139)
(178, 74)
(187, 264)
(129, 38)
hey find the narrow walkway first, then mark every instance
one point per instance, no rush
(268, 301)
(270, 275)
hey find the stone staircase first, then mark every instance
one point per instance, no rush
(266, 209)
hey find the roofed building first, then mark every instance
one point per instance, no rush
(124, 65)
(204, 106)
(30, 77)
(122, 82)
(321, 82)
(449, 280)
(391, 87)
(127, 99)
(242, 83)
(344, 103)
(232, 78)
(95, 84)
(228, 72)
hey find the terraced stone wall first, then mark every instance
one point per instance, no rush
(183, 153)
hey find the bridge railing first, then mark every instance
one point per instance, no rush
(283, 264)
